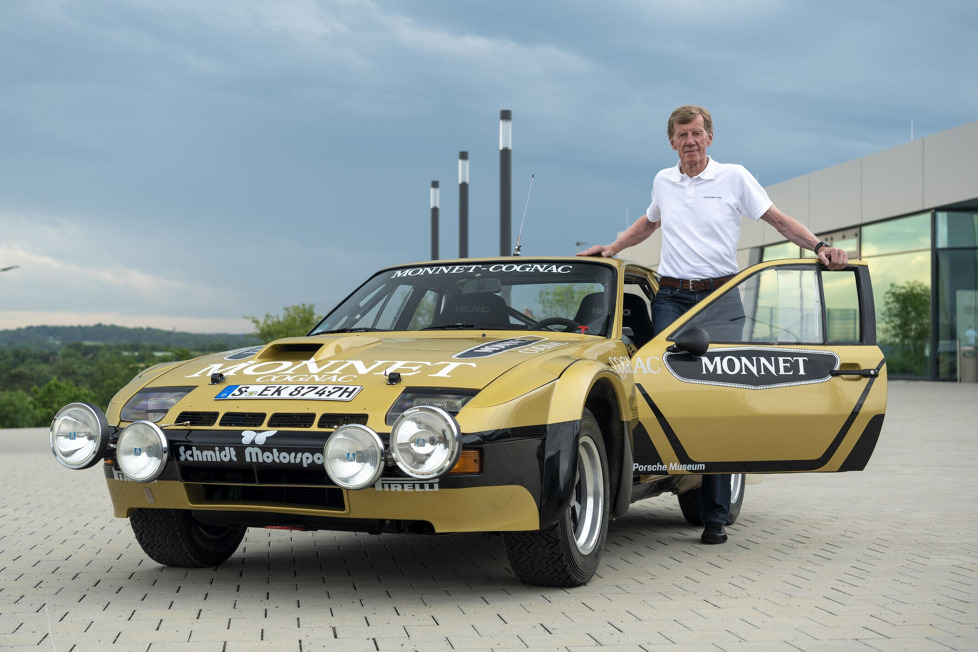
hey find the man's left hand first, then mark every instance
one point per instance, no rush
(833, 257)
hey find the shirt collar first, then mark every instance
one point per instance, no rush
(709, 172)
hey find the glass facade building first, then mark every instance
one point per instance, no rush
(925, 281)
(911, 212)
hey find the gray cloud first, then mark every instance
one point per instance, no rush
(217, 159)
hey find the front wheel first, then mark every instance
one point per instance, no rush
(173, 537)
(568, 552)
(692, 508)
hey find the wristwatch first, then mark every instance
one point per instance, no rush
(821, 244)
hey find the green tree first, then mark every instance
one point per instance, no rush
(563, 300)
(17, 409)
(74, 363)
(54, 395)
(296, 321)
(906, 322)
(112, 369)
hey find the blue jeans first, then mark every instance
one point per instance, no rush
(668, 305)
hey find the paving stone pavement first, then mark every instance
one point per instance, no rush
(884, 559)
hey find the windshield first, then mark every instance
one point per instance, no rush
(525, 295)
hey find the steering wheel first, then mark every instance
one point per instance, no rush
(556, 321)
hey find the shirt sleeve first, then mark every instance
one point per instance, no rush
(654, 212)
(754, 200)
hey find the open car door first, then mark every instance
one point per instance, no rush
(791, 380)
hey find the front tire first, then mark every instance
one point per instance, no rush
(692, 508)
(173, 537)
(567, 553)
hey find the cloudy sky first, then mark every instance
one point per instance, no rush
(185, 164)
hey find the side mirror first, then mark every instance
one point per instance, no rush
(693, 340)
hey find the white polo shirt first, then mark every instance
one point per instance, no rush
(700, 218)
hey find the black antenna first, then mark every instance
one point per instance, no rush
(516, 250)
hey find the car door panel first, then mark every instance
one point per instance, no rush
(768, 403)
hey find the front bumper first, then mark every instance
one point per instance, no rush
(282, 483)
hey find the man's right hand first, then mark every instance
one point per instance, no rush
(598, 250)
(637, 232)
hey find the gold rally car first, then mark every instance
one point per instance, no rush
(518, 396)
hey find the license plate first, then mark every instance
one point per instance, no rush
(301, 392)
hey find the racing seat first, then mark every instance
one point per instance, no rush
(636, 316)
(483, 309)
(593, 312)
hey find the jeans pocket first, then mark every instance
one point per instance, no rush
(666, 292)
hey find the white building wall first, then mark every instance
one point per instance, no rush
(916, 176)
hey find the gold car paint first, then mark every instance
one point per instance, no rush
(499, 508)
(712, 424)
(424, 359)
(331, 347)
(575, 387)
(524, 397)
(578, 369)
(514, 378)
(730, 424)
(528, 409)
(144, 378)
(496, 508)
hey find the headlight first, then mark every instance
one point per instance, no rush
(450, 401)
(425, 442)
(152, 403)
(79, 435)
(142, 451)
(354, 456)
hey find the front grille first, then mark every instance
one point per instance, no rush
(328, 498)
(280, 420)
(243, 419)
(217, 475)
(313, 475)
(285, 420)
(198, 419)
(334, 421)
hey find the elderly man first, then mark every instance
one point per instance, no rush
(699, 204)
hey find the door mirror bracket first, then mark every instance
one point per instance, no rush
(693, 340)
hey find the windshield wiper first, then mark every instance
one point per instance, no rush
(449, 327)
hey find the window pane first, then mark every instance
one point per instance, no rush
(957, 310)
(781, 251)
(847, 240)
(901, 286)
(777, 306)
(392, 308)
(841, 307)
(957, 230)
(903, 234)
(425, 312)
(546, 301)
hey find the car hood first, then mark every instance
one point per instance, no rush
(368, 362)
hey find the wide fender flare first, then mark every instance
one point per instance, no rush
(559, 463)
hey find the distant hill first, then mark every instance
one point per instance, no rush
(55, 337)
